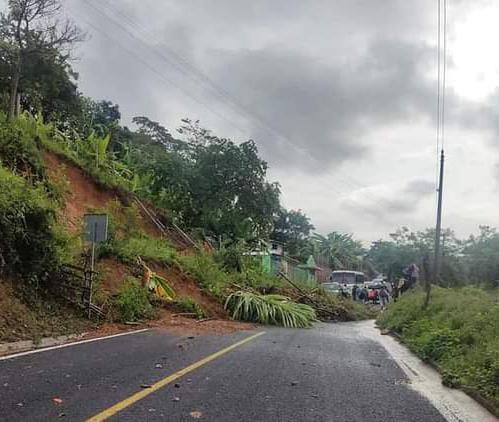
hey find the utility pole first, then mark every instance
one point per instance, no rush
(439, 219)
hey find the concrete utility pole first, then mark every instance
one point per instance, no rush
(439, 219)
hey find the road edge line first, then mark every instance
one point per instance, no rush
(139, 395)
(74, 343)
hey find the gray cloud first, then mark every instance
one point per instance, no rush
(401, 202)
(324, 110)
(420, 188)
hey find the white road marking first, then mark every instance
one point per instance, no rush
(61, 346)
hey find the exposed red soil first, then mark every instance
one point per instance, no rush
(112, 274)
(82, 193)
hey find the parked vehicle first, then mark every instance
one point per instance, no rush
(334, 288)
(348, 279)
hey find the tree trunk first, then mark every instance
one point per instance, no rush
(14, 87)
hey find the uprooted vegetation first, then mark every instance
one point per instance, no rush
(458, 332)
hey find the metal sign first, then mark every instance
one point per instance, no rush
(96, 227)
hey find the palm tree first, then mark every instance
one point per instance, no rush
(342, 250)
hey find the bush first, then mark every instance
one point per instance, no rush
(31, 244)
(213, 279)
(269, 309)
(18, 147)
(459, 332)
(132, 301)
(188, 305)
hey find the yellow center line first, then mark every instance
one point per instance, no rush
(118, 407)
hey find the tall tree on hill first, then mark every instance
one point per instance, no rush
(32, 28)
(293, 229)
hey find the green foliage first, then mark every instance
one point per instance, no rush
(18, 145)
(342, 251)
(132, 301)
(210, 276)
(189, 305)
(149, 248)
(292, 228)
(459, 331)
(269, 310)
(329, 307)
(31, 244)
(127, 242)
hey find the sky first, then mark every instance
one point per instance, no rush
(339, 95)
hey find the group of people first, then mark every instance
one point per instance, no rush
(385, 291)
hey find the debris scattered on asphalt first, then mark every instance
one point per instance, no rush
(145, 386)
(176, 399)
(57, 400)
(196, 414)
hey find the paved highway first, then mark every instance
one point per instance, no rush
(334, 372)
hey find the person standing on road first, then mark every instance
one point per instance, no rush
(384, 297)
(354, 292)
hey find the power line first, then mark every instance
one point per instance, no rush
(189, 70)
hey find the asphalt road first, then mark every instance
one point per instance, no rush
(329, 373)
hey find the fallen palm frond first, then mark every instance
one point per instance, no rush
(269, 309)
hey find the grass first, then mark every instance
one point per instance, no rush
(132, 302)
(459, 332)
(189, 305)
(269, 310)
(148, 248)
(208, 273)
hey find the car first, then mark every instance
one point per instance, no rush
(332, 287)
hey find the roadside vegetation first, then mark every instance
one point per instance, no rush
(458, 332)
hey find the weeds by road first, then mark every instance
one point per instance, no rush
(459, 332)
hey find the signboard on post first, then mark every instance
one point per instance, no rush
(95, 232)
(96, 227)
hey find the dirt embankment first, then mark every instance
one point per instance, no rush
(82, 194)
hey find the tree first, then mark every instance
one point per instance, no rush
(341, 249)
(229, 190)
(292, 228)
(158, 134)
(481, 256)
(32, 28)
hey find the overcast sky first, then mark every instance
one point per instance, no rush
(340, 96)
